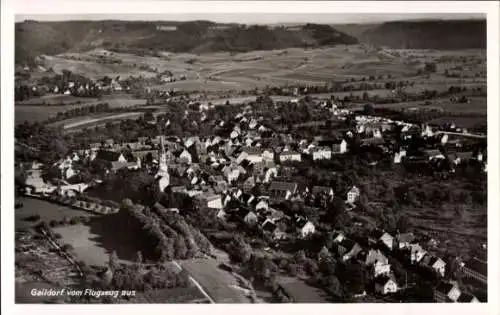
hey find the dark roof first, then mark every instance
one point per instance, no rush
(275, 185)
(110, 156)
(465, 298)
(289, 153)
(405, 237)
(444, 287)
(252, 150)
(269, 226)
(376, 233)
(348, 243)
(321, 189)
(382, 279)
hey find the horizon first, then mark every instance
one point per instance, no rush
(254, 18)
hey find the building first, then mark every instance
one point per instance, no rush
(208, 200)
(282, 190)
(348, 249)
(446, 292)
(434, 263)
(322, 153)
(304, 227)
(162, 175)
(381, 237)
(385, 285)
(417, 253)
(322, 191)
(376, 261)
(251, 154)
(404, 240)
(290, 156)
(339, 147)
(353, 194)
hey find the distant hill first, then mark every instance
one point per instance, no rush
(35, 38)
(424, 34)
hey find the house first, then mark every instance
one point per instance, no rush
(434, 263)
(433, 155)
(322, 153)
(398, 156)
(231, 173)
(446, 292)
(381, 237)
(404, 240)
(339, 147)
(250, 218)
(110, 156)
(290, 156)
(282, 190)
(262, 205)
(322, 191)
(467, 298)
(337, 237)
(353, 194)
(348, 249)
(416, 253)
(185, 157)
(252, 154)
(304, 227)
(378, 263)
(385, 285)
(267, 155)
(207, 200)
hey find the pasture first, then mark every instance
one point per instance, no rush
(84, 245)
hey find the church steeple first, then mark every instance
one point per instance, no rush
(164, 177)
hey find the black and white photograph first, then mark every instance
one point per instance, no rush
(250, 158)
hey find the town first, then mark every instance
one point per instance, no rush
(290, 194)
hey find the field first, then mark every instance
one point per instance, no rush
(32, 110)
(46, 210)
(244, 71)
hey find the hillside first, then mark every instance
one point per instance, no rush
(37, 38)
(431, 34)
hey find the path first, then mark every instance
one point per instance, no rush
(195, 283)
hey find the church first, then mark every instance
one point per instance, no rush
(162, 175)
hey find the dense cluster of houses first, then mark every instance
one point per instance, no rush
(221, 173)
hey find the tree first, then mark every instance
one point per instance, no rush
(113, 261)
(368, 109)
(430, 67)
(139, 258)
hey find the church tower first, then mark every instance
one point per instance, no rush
(164, 177)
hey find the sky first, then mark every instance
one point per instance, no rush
(256, 18)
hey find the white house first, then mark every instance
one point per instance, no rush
(306, 229)
(267, 155)
(290, 156)
(416, 253)
(398, 156)
(210, 201)
(185, 157)
(340, 147)
(353, 194)
(385, 285)
(323, 153)
(250, 219)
